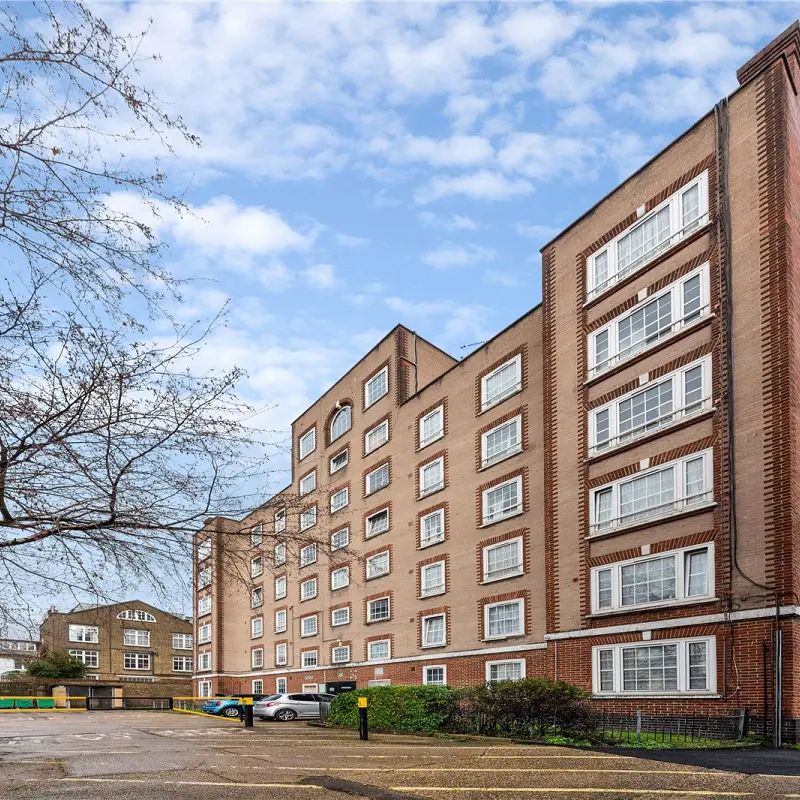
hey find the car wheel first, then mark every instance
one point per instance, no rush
(286, 715)
(230, 711)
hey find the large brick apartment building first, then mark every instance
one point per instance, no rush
(607, 492)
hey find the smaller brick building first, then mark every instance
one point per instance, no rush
(131, 644)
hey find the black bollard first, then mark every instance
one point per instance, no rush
(363, 722)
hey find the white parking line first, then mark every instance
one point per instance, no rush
(546, 770)
(483, 790)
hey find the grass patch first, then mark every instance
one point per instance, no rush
(649, 741)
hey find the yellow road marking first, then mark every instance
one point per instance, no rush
(554, 790)
(501, 769)
(160, 782)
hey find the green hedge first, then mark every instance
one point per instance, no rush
(396, 708)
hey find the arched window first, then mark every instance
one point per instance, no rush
(341, 422)
(140, 616)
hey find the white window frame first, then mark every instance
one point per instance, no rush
(90, 658)
(86, 634)
(256, 627)
(204, 689)
(339, 571)
(305, 659)
(370, 645)
(680, 555)
(683, 410)
(204, 633)
(257, 658)
(307, 483)
(308, 518)
(136, 614)
(280, 520)
(679, 504)
(281, 685)
(367, 478)
(486, 460)
(204, 550)
(308, 555)
(342, 610)
(371, 447)
(384, 553)
(256, 567)
(257, 686)
(307, 633)
(495, 637)
(379, 512)
(279, 554)
(381, 373)
(425, 679)
(183, 660)
(486, 402)
(423, 569)
(344, 407)
(204, 578)
(434, 437)
(346, 493)
(677, 233)
(486, 577)
(281, 622)
(439, 512)
(204, 605)
(489, 664)
(182, 641)
(346, 532)
(340, 647)
(678, 321)
(682, 664)
(140, 661)
(370, 603)
(204, 662)
(304, 449)
(280, 581)
(307, 593)
(520, 508)
(346, 453)
(256, 535)
(424, 491)
(281, 654)
(257, 597)
(425, 645)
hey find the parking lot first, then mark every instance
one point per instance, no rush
(169, 755)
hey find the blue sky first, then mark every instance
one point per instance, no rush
(365, 165)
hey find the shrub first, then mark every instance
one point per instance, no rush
(57, 665)
(530, 708)
(396, 708)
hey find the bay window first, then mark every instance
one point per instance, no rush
(663, 579)
(651, 320)
(652, 668)
(653, 494)
(635, 247)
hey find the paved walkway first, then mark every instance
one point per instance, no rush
(161, 756)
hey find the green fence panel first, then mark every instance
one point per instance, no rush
(6, 702)
(45, 702)
(24, 703)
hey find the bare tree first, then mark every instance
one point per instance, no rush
(113, 446)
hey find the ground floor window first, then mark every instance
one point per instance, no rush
(258, 687)
(435, 675)
(310, 688)
(204, 689)
(91, 658)
(280, 685)
(663, 667)
(512, 670)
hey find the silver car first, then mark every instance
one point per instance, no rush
(286, 707)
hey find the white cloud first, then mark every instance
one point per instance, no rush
(455, 151)
(453, 222)
(465, 109)
(536, 31)
(418, 308)
(457, 256)
(481, 185)
(538, 156)
(670, 97)
(321, 276)
(541, 233)
(502, 278)
(345, 240)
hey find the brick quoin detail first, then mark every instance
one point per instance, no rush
(523, 594)
(428, 459)
(376, 465)
(387, 548)
(521, 350)
(383, 506)
(378, 637)
(522, 471)
(379, 596)
(504, 537)
(433, 560)
(429, 612)
(432, 407)
(655, 548)
(520, 411)
(424, 513)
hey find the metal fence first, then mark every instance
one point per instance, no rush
(607, 728)
(129, 703)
